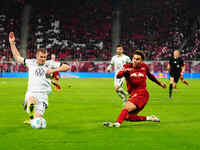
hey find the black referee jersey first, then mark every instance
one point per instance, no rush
(175, 65)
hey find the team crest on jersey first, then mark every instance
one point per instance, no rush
(142, 68)
(39, 72)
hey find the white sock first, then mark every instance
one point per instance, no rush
(148, 118)
(117, 124)
(123, 91)
(120, 94)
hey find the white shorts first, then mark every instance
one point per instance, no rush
(118, 81)
(41, 101)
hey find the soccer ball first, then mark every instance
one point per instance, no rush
(38, 123)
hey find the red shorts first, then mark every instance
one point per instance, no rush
(139, 98)
(56, 75)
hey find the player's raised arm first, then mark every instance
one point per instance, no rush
(14, 49)
(109, 68)
(62, 68)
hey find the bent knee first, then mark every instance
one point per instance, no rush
(130, 106)
(117, 88)
(31, 99)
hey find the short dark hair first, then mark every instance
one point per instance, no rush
(42, 50)
(119, 45)
(139, 52)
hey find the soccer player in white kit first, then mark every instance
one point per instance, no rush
(118, 61)
(39, 82)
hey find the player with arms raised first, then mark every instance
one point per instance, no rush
(118, 61)
(39, 85)
(176, 70)
(135, 75)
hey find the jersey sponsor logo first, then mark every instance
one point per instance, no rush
(137, 75)
(133, 75)
(39, 72)
(140, 75)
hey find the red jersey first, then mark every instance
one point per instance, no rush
(56, 75)
(136, 78)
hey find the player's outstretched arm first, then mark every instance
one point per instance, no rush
(14, 49)
(182, 70)
(153, 78)
(62, 68)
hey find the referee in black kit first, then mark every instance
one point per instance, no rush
(176, 69)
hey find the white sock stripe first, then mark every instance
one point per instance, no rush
(122, 91)
(120, 94)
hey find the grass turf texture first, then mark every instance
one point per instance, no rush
(75, 116)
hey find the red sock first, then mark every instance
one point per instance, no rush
(58, 87)
(122, 115)
(134, 117)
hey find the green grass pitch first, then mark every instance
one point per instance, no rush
(75, 116)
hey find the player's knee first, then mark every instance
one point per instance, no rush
(130, 107)
(31, 100)
(117, 88)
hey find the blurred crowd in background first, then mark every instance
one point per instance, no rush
(81, 31)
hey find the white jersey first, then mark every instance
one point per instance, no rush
(37, 80)
(118, 62)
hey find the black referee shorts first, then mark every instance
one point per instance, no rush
(176, 76)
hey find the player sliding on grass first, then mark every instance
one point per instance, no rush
(176, 70)
(118, 61)
(39, 85)
(135, 75)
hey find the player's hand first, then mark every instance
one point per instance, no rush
(163, 85)
(182, 74)
(126, 69)
(11, 38)
(107, 70)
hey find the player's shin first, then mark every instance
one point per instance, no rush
(123, 115)
(134, 117)
(122, 94)
(170, 90)
(31, 110)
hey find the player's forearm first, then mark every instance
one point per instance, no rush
(168, 68)
(15, 53)
(109, 67)
(183, 69)
(62, 68)
(153, 78)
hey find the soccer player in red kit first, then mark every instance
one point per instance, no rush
(135, 75)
